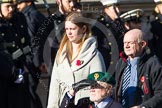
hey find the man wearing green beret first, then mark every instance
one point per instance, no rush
(101, 84)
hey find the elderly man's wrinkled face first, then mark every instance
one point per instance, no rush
(99, 91)
(133, 45)
(7, 10)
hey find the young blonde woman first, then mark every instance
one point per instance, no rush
(76, 58)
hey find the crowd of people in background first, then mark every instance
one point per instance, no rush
(117, 55)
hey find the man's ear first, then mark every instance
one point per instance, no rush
(143, 43)
(58, 2)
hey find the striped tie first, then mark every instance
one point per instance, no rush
(125, 85)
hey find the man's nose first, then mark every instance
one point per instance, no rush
(18, 6)
(72, 3)
(11, 8)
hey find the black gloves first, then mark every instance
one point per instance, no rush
(82, 84)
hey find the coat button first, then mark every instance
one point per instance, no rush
(2, 34)
(16, 34)
(22, 26)
(102, 19)
(107, 25)
(111, 62)
(10, 24)
(109, 34)
(13, 44)
(59, 21)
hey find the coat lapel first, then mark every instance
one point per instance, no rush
(109, 104)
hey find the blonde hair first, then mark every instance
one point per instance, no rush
(78, 19)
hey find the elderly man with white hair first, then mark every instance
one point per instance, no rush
(138, 74)
(101, 87)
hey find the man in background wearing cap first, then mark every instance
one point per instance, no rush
(132, 19)
(13, 31)
(101, 85)
(33, 16)
(135, 19)
(112, 20)
(34, 20)
(156, 28)
(110, 44)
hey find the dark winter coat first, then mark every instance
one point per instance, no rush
(149, 84)
(15, 38)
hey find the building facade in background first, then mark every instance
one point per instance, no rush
(94, 7)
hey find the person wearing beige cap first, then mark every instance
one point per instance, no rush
(101, 85)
